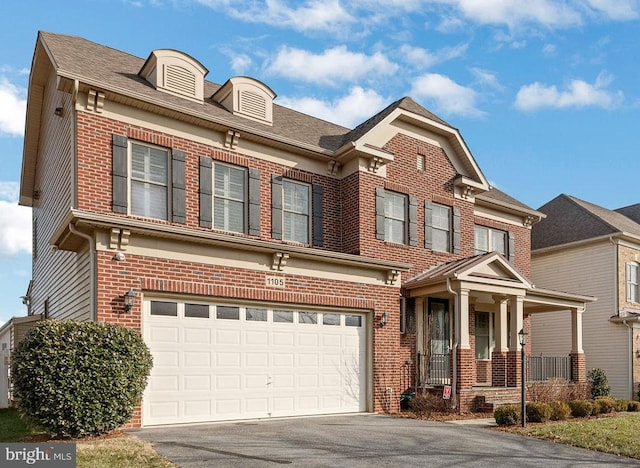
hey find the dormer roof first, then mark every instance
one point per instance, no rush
(247, 97)
(175, 72)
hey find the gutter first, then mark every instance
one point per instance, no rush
(92, 270)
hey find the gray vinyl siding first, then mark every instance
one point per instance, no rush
(587, 270)
(59, 276)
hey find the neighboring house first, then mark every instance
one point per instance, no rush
(586, 248)
(278, 264)
(11, 333)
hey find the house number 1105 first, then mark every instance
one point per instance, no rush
(274, 282)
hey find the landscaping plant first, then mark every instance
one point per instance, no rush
(538, 412)
(599, 383)
(78, 379)
(507, 415)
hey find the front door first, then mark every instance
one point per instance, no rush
(433, 344)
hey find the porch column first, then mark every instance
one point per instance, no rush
(464, 359)
(578, 359)
(513, 356)
(499, 355)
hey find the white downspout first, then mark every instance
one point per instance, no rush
(630, 353)
(92, 270)
(454, 395)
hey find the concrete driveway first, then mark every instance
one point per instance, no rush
(361, 440)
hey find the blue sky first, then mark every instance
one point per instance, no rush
(545, 92)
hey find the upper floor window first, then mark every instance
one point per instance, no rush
(494, 240)
(441, 225)
(396, 216)
(229, 197)
(296, 211)
(632, 282)
(148, 180)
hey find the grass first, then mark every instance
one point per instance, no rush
(616, 434)
(112, 451)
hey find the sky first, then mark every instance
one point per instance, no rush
(544, 92)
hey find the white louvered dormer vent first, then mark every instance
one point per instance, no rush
(248, 98)
(175, 73)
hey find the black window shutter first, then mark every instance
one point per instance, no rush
(428, 225)
(413, 221)
(178, 193)
(254, 202)
(456, 231)
(205, 191)
(119, 199)
(380, 213)
(512, 248)
(318, 231)
(276, 206)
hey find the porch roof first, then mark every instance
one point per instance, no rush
(488, 273)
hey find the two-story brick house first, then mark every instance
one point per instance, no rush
(278, 264)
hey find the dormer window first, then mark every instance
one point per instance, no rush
(248, 98)
(175, 73)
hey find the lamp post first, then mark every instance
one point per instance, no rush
(522, 337)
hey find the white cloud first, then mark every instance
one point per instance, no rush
(616, 9)
(330, 67)
(578, 93)
(549, 49)
(240, 63)
(15, 228)
(13, 107)
(486, 78)
(349, 110)
(422, 58)
(446, 95)
(513, 13)
(313, 15)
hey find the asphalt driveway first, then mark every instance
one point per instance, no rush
(361, 440)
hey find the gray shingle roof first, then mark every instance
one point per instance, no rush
(114, 70)
(498, 195)
(570, 219)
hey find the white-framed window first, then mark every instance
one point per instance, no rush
(149, 180)
(632, 282)
(229, 197)
(484, 335)
(395, 217)
(441, 227)
(490, 240)
(296, 211)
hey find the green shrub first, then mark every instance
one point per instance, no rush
(507, 415)
(633, 406)
(560, 410)
(80, 378)
(603, 405)
(620, 406)
(599, 383)
(580, 408)
(538, 412)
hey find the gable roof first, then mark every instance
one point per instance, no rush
(484, 268)
(570, 219)
(493, 196)
(631, 212)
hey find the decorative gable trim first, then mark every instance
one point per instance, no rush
(247, 97)
(175, 73)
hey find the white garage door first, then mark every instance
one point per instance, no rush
(225, 362)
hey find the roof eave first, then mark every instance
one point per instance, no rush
(536, 216)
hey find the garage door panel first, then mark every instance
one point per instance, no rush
(222, 368)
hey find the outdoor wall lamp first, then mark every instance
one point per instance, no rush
(58, 111)
(129, 300)
(522, 337)
(383, 319)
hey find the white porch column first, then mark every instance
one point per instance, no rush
(501, 327)
(462, 319)
(516, 321)
(576, 330)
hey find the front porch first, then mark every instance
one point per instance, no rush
(467, 317)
